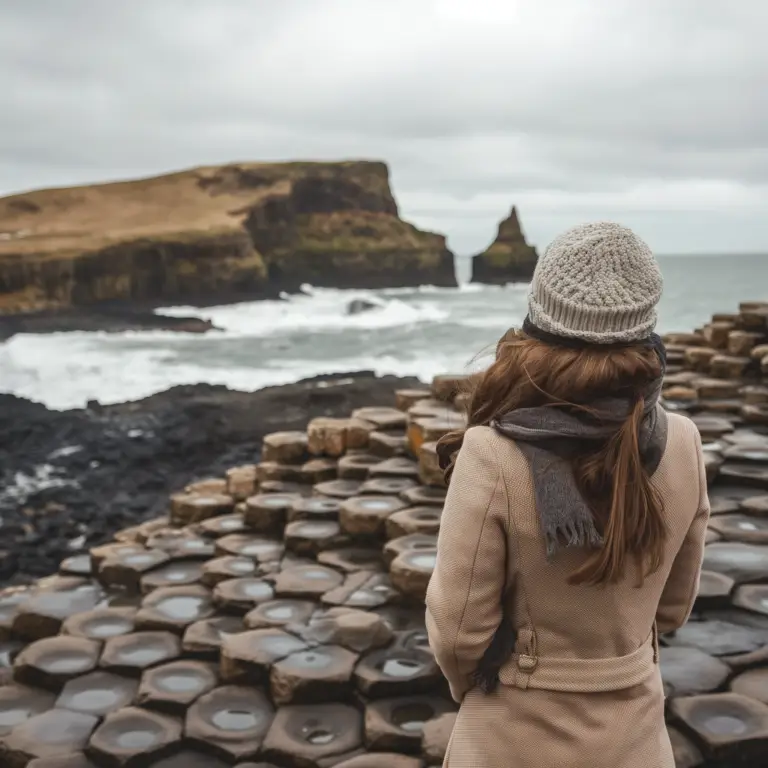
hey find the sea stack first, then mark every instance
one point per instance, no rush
(212, 234)
(508, 259)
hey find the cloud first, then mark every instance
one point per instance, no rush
(652, 113)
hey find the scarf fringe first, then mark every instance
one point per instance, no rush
(571, 533)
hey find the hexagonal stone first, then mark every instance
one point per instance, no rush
(396, 725)
(381, 760)
(97, 693)
(228, 567)
(367, 515)
(189, 759)
(50, 734)
(424, 520)
(315, 675)
(271, 470)
(423, 495)
(413, 542)
(72, 760)
(248, 656)
(174, 574)
(714, 590)
(755, 506)
(230, 721)
(175, 608)
(742, 562)
(319, 470)
(173, 687)
(285, 487)
(687, 671)
(381, 418)
(387, 486)
(267, 512)
(19, 703)
(411, 571)
(387, 443)
(350, 628)
(355, 466)
(404, 619)
(207, 485)
(258, 548)
(307, 581)
(77, 565)
(132, 734)
(125, 569)
(748, 475)
(100, 623)
(309, 537)
(241, 482)
(309, 735)
(194, 507)
(241, 595)
(182, 543)
(712, 427)
(51, 662)
(398, 466)
(338, 489)
(430, 472)
(203, 638)
(103, 551)
(685, 752)
(362, 589)
(752, 597)
(407, 398)
(429, 429)
(132, 654)
(314, 508)
(224, 525)
(719, 638)
(740, 527)
(43, 614)
(752, 683)
(729, 726)
(280, 613)
(396, 671)
(435, 735)
(287, 447)
(327, 436)
(352, 559)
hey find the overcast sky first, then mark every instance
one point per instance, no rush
(650, 112)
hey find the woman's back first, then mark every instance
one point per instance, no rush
(572, 534)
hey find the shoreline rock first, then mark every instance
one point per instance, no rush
(69, 479)
(252, 229)
(508, 259)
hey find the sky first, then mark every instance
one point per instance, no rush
(650, 113)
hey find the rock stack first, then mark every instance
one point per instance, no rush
(274, 616)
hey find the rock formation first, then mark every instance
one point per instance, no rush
(212, 234)
(508, 259)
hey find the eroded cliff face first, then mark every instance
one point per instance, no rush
(213, 234)
(509, 258)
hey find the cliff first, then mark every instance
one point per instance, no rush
(508, 259)
(212, 234)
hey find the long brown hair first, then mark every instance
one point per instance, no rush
(626, 508)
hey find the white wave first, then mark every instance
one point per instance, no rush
(317, 310)
(43, 476)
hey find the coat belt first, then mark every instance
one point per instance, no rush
(526, 669)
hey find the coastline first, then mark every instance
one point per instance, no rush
(70, 479)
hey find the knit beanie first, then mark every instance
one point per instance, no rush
(598, 283)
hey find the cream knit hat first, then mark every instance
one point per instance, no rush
(598, 283)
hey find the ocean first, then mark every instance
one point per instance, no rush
(411, 332)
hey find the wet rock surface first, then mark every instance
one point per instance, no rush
(277, 619)
(71, 479)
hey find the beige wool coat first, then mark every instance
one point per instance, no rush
(583, 688)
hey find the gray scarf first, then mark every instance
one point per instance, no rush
(549, 437)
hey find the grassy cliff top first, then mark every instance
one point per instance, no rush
(204, 201)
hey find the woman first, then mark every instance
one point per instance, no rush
(573, 531)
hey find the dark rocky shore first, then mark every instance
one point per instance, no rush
(69, 480)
